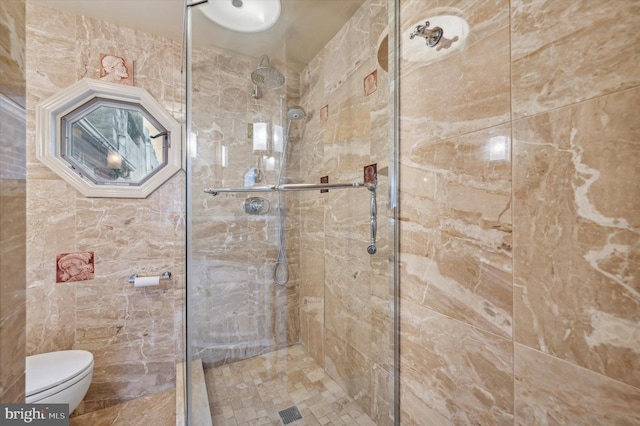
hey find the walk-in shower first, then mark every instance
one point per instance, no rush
(291, 279)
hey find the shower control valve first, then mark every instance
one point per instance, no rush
(432, 36)
(255, 205)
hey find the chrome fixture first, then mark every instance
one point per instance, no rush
(166, 275)
(265, 77)
(295, 113)
(286, 187)
(432, 36)
(281, 268)
(256, 206)
(254, 174)
(372, 249)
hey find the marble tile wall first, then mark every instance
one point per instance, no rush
(519, 191)
(12, 200)
(238, 311)
(345, 293)
(134, 334)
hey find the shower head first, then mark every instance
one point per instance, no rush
(296, 113)
(265, 76)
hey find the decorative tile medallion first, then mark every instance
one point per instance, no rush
(74, 267)
(116, 69)
(324, 113)
(371, 83)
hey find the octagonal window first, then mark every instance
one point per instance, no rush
(113, 142)
(108, 140)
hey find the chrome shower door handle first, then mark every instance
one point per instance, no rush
(374, 221)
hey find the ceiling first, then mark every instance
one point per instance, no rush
(304, 27)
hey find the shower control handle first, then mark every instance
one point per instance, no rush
(432, 36)
(256, 206)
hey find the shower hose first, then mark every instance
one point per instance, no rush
(281, 269)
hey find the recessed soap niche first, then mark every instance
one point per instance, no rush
(383, 50)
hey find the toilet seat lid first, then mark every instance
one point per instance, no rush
(44, 371)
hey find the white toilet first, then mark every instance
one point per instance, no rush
(61, 377)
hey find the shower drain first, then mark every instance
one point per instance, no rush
(289, 415)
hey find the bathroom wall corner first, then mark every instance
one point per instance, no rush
(12, 201)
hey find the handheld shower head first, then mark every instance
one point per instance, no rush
(296, 113)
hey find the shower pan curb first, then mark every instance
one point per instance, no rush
(202, 415)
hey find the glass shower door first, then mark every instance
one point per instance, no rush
(289, 307)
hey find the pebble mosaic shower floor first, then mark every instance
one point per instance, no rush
(253, 391)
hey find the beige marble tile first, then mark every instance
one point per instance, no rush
(348, 312)
(13, 193)
(200, 414)
(456, 228)
(348, 49)
(457, 92)
(181, 397)
(14, 393)
(133, 333)
(350, 368)
(574, 218)
(50, 23)
(382, 322)
(453, 373)
(50, 222)
(382, 406)
(51, 316)
(12, 50)
(12, 288)
(312, 337)
(560, 57)
(344, 294)
(45, 74)
(153, 56)
(348, 148)
(551, 391)
(13, 148)
(157, 409)
(116, 230)
(576, 276)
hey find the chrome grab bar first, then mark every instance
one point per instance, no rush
(216, 191)
(371, 186)
(291, 187)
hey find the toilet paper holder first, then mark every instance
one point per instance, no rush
(165, 276)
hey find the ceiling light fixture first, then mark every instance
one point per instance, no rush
(246, 16)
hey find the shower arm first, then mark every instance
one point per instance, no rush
(371, 186)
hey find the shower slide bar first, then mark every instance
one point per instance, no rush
(312, 187)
